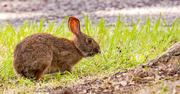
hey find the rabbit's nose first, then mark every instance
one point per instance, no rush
(99, 51)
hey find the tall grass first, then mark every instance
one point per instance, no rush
(122, 46)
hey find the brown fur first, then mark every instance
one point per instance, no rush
(43, 53)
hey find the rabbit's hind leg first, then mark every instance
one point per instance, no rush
(38, 74)
(41, 59)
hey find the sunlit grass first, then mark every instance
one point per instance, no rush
(122, 46)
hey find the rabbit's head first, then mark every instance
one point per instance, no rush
(84, 43)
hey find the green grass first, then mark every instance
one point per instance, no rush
(122, 46)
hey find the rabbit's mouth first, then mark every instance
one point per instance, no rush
(90, 54)
(96, 51)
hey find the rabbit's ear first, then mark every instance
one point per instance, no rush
(74, 25)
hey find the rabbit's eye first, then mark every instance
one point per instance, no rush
(89, 40)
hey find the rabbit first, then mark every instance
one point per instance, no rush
(43, 53)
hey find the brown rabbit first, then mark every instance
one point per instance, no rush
(43, 53)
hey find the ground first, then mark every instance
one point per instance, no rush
(156, 76)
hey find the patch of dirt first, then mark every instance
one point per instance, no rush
(159, 75)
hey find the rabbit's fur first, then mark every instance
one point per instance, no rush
(42, 53)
